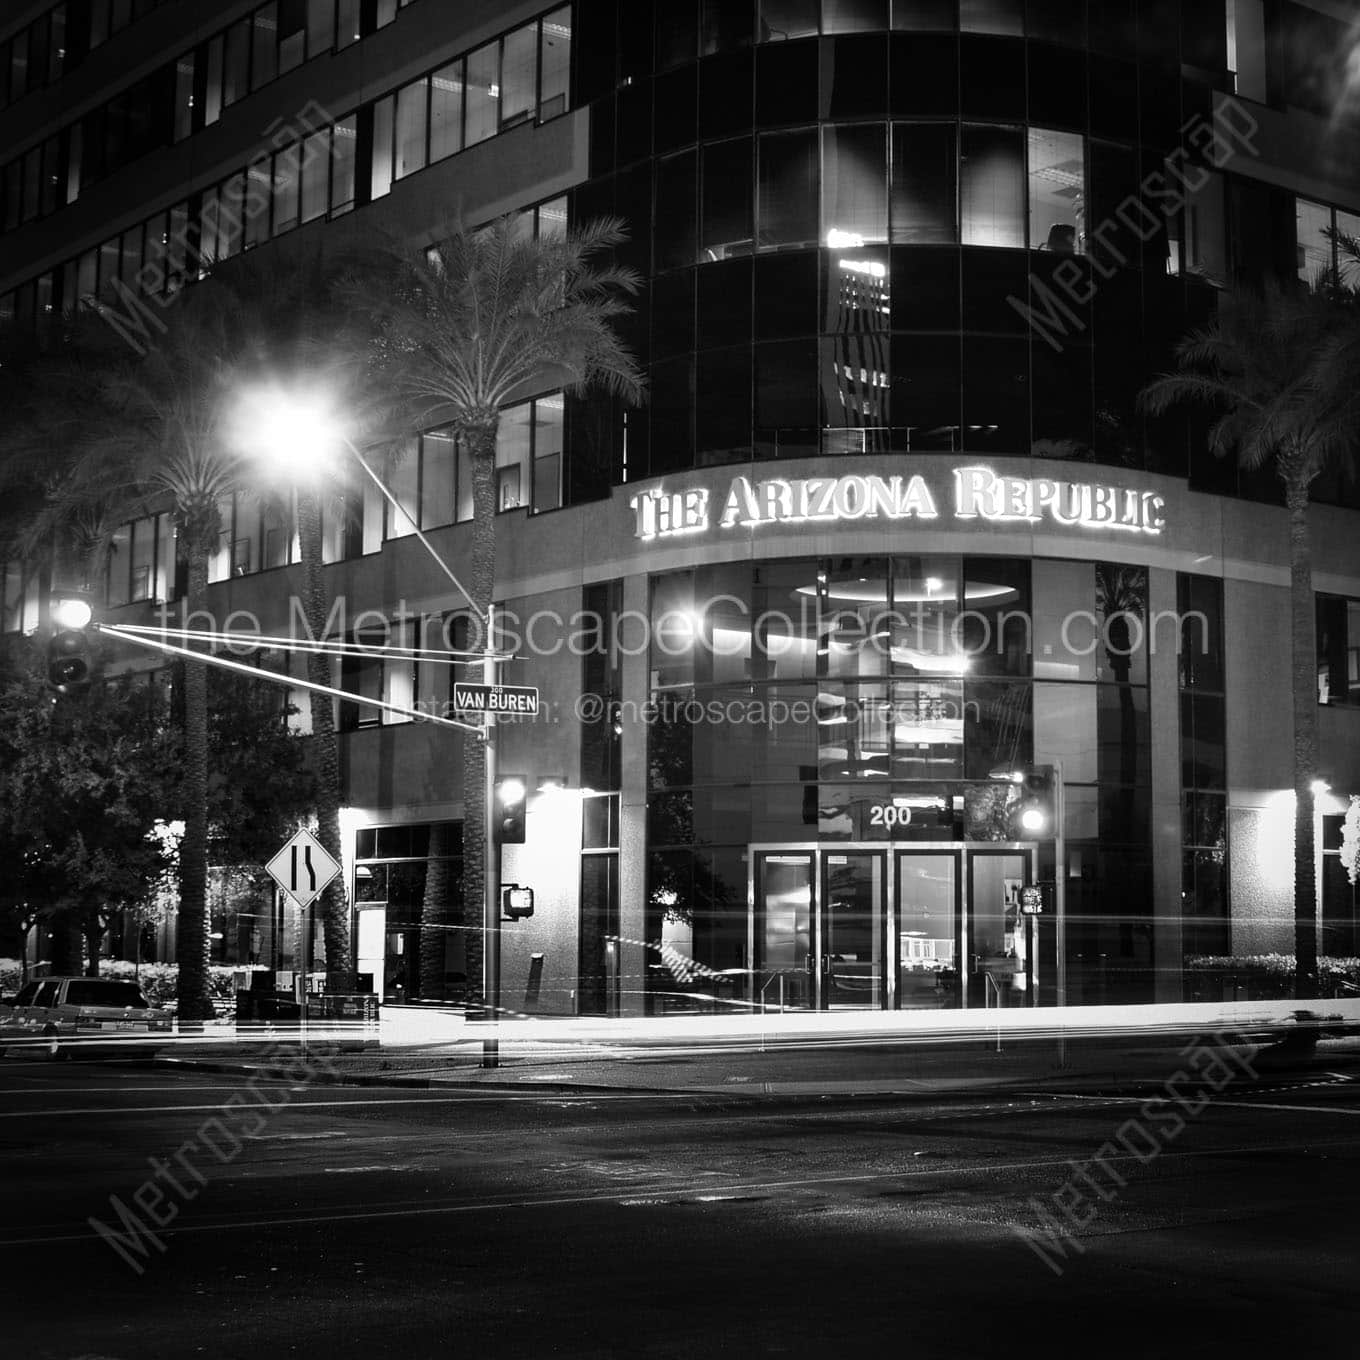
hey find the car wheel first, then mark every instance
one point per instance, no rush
(53, 1049)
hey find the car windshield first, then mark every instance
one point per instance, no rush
(97, 993)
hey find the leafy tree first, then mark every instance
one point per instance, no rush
(86, 782)
(457, 334)
(1277, 368)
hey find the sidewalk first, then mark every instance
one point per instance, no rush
(859, 1056)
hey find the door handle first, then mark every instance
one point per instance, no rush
(807, 962)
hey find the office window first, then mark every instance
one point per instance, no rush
(345, 141)
(554, 63)
(286, 188)
(110, 254)
(674, 216)
(403, 480)
(207, 226)
(184, 97)
(548, 412)
(1206, 233)
(513, 445)
(119, 572)
(142, 558)
(854, 185)
(259, 193)
(412, 111)
(518, 75)
(212, 85)
(551, 219)
(446, 111)
(320, 26)
(854, 16)
(483, 93)
(236, 63)
(87, 275)
(438, 468)
(1057, 191)
(314, 169)
(924, 173)
(347, 28)
(230, 216)
(380, 175)
(264, 45)
(787, 190)
(1338, 644)
(992, 192)
(292, 15)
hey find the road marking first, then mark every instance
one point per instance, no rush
(1213, 1101)
(585, 1098)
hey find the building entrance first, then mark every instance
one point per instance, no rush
(859, 927)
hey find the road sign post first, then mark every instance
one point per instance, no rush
(304, 869)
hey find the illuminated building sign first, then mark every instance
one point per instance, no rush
(976, 493)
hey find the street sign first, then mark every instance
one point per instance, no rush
(303, 868)
(496, 698)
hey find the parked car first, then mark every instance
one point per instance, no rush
(89, 1015)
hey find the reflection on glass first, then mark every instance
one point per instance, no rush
(995, 930)
(784, 929)
(992, 193)
(927, 972)
(853, 947)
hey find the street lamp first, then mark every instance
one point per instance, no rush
(300, 430)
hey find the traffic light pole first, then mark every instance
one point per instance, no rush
(1060, 904)
(491, 903)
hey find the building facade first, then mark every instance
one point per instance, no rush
(891, 526)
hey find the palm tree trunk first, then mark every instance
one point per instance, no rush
(434, 915)
(191, 933)
(1304, 663)
(481, 585)
(325, 750)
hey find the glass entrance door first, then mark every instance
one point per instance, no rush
(995, 959)
(786, 975)
(853, 930)
(927, 929)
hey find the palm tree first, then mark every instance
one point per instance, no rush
(458, 332)
(137, 431)
(1268, 365)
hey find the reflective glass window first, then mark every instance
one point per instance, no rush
(925, 393)
(854, 185)
(347, 29)
(992, 192)
(786, 398)
(675, 225)
(924, 188)
(724, 305)
(722, 428)
(783, 19)
(677, 32)
(292, 35)
(995, 394)
(1314, 249)
(320, 26)
(726, 228)
(787, 194)
(785, 295)
(854, 16)
(723, 26)
(925, 14)
(236, 63)
(992, 16)
(854, 82)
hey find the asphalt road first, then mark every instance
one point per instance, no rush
(350, 1221)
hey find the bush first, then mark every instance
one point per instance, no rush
(1266, 977)
(158, 980)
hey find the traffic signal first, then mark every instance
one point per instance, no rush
(69, 662)
(1032, 813)
(510, 794)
